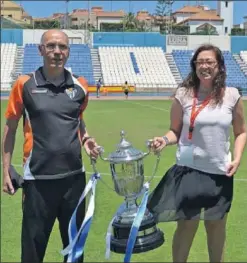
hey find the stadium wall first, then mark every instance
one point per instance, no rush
(176, 42)
(150, 39)
(34, 36)
(223, 42)
(12, 36)
(129, 39)
(191, 42)
(238, 43)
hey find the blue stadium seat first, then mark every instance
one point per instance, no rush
(235, 76)
(79, 61)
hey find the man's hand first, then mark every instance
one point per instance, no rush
(91, 148)
(7, 184)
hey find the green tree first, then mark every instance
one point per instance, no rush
(130, 22)
(237, 32)
(46, 24)
(111, 27)
(181, 30)
(163, 12)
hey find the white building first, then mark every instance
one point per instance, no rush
(245, 24)
(109, 17)
(186, 12)
(199, 18)
(225, 11)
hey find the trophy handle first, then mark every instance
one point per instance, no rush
(148, 144)
(155, 167)
(101, 150)
(93, 163)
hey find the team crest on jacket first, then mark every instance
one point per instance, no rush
(71, 92)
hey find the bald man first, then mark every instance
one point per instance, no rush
(51, 101)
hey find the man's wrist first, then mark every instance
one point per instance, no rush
(85, 138)
(6, 171)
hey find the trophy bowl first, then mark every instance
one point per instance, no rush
(127, 170)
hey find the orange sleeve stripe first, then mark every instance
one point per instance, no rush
(84, 83)
(15, 104)
(28, 140)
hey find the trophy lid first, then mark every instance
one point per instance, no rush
(125, 152)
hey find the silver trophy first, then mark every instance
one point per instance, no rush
(127, 170)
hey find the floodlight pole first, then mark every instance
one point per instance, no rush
(67, 14)
(168, 25)
(2, 8)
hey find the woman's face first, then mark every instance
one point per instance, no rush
(206, 66)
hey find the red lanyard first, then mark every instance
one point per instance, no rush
(195, 112)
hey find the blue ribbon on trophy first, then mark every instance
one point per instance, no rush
(136, 224)
(109, 231)
(77, 239)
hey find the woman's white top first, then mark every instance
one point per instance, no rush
(209, 148)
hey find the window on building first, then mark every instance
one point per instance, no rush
(74, 19)
(226, 30)
(226, 3)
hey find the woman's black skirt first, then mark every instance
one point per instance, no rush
(188, 194)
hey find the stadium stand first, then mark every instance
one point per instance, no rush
(8, 56)
(144, 67)
(235, 76)
(243, 55)
(79, 62)
(182, 60)
(147, 68)
(31, 60)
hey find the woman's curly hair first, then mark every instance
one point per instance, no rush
(192, 82)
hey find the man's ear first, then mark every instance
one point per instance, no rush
(40, 50)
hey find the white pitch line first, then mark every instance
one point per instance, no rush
(101, 111)
(148, 106)
(156, 176)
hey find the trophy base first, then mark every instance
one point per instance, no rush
(148, 238)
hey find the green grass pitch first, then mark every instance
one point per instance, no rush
(141, 120)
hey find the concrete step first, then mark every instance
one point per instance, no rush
(96, 64)
(173, 67)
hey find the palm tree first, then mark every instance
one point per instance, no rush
(130, 22)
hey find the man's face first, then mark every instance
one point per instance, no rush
(54, 49)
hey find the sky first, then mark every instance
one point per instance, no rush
(47, 8)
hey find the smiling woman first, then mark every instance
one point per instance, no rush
(200, 185)
(208, 72)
